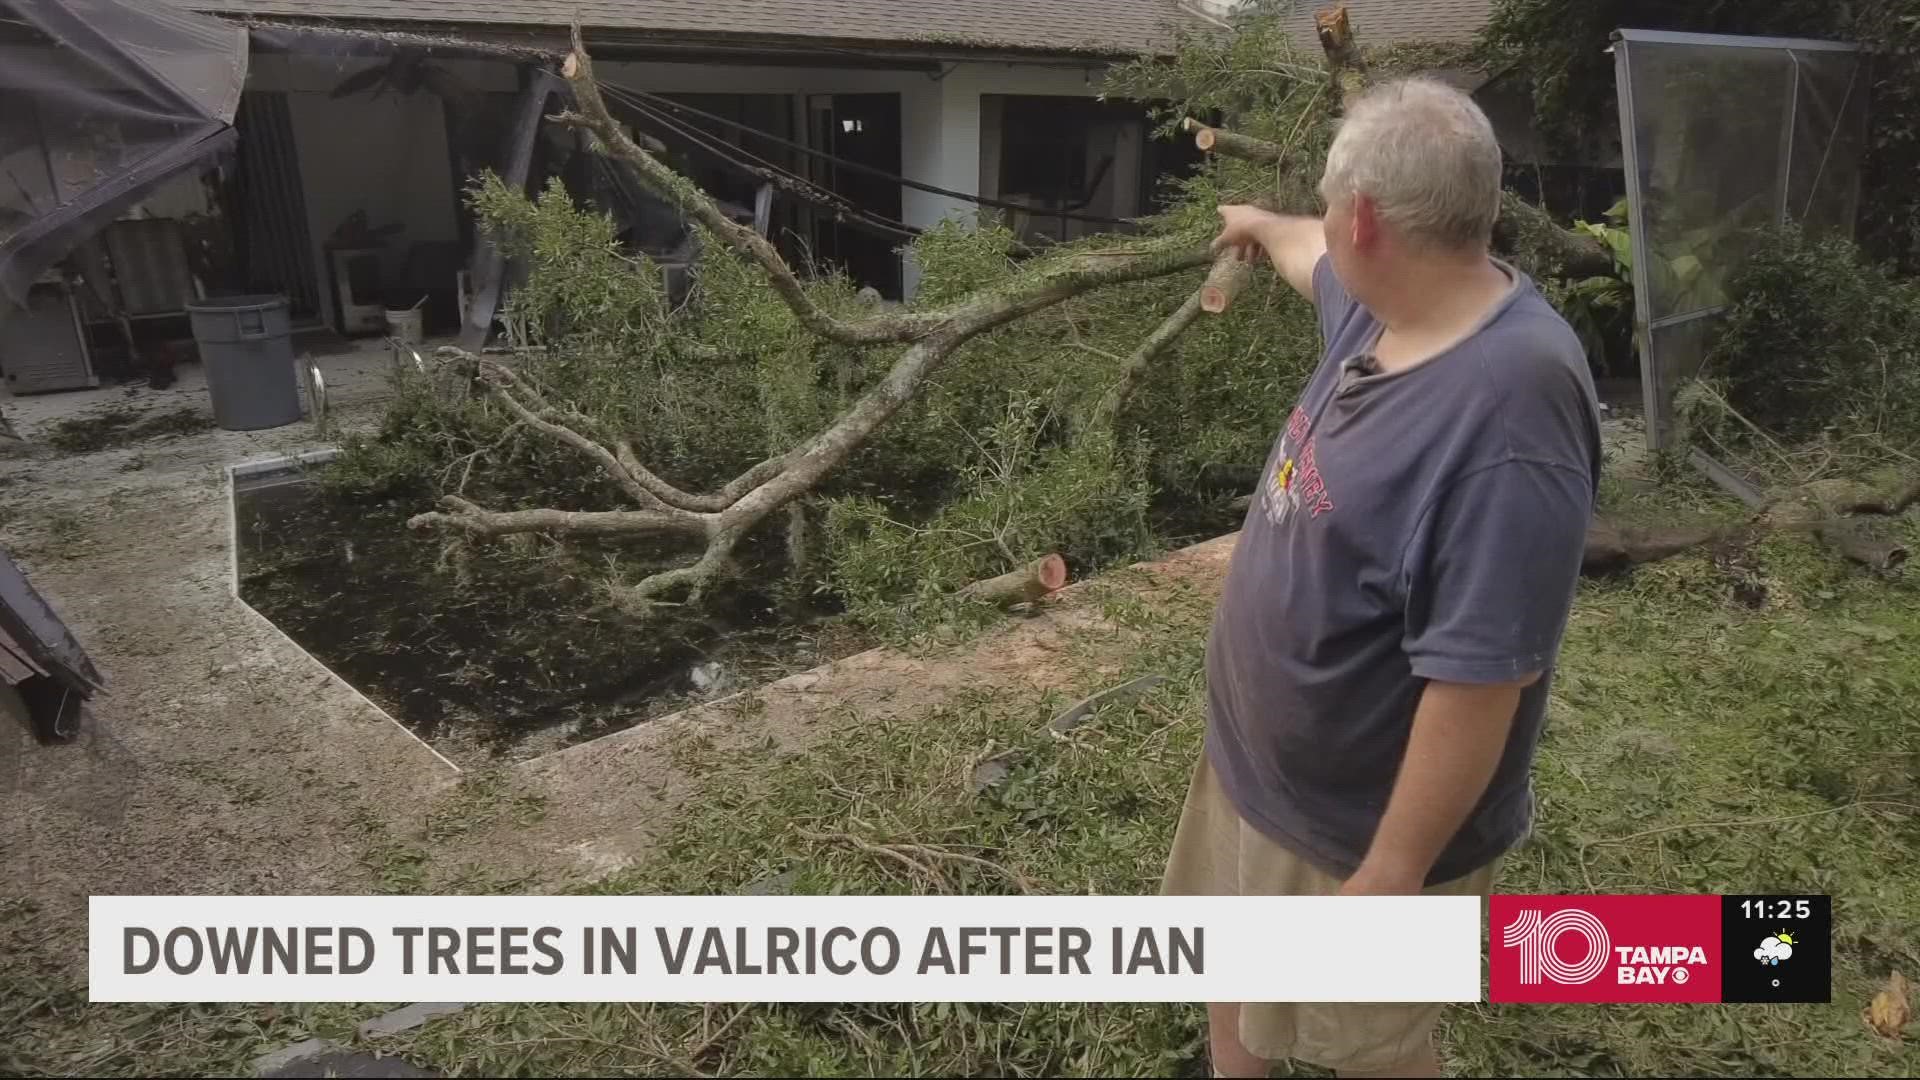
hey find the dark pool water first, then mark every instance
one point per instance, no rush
(490, 650)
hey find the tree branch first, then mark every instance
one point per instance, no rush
(1230, 274)
(538, 415)
(714, 563)
(1842, 496)
(641, 483)
(1544, 247)
(661, 489)
(1078, 273)
(1541, 244)
(800, 470)
(1850, 539)
(724, 518)
(993, 307)
(578, 70)
(1143, 357)
(471, 517)
(686, 500)
(1522, 228)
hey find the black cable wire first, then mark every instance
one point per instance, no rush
(796, 185)
(855, 166)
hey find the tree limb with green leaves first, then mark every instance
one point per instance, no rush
(723, 518)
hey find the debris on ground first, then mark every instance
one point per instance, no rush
(1889, 1011)
(121, 425)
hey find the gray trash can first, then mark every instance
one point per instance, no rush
(247, 348)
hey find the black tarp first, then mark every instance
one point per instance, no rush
(100, 102)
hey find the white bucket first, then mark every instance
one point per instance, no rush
(407, 327)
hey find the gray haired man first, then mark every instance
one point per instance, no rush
(1377, 672)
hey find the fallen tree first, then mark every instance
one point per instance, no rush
(714, 522)
(722, 519)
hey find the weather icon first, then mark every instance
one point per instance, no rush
(1775, 949)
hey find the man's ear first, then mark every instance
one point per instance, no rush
(1366, 223)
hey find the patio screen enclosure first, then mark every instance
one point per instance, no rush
(1725, 137)
(100, 101)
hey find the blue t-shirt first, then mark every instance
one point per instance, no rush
(1422, 524)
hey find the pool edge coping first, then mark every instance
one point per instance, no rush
(297, 463)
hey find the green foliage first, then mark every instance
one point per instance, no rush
(1600, 308)
(1890, 210)
(120, 425)
(1821, 337)
(585, 290)
(956, 258)
(1558, 48)
(1255, 80)
(1019, 499)
(1005, 440)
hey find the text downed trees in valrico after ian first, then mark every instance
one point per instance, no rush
(716, 949)
(608, 950)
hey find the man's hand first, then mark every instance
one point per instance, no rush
(1244, 231)
(1294, 244)
(1373, 879)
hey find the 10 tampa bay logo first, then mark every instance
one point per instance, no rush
(1605, 948)
(1538, 935)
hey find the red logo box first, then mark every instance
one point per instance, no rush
(1604, 948)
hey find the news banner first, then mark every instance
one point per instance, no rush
(954, 948)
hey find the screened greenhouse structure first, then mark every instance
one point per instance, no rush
(1725, 137)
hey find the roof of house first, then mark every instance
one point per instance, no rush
(1108, 27)
(1400, 22)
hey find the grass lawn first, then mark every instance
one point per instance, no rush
(1696, 745)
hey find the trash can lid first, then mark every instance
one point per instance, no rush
(238, 303)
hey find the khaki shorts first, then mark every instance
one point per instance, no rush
(1216, 853)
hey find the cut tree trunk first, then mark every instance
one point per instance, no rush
(1220, 140)
(1549, 249)
(1022, 586)
(1611, 549)
(1852, 540)
(1224, 282)
(1345, 68)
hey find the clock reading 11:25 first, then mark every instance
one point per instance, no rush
(1776, 909)
(1776, 948)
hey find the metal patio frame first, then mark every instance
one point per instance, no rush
(1656, 393)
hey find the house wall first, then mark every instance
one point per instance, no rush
(942, 135)
(389, 155)
(386, 155)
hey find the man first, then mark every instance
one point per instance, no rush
(1377, 671)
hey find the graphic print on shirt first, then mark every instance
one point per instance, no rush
(1295, 481)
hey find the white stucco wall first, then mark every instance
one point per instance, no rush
(958, 156)
(386, 155)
